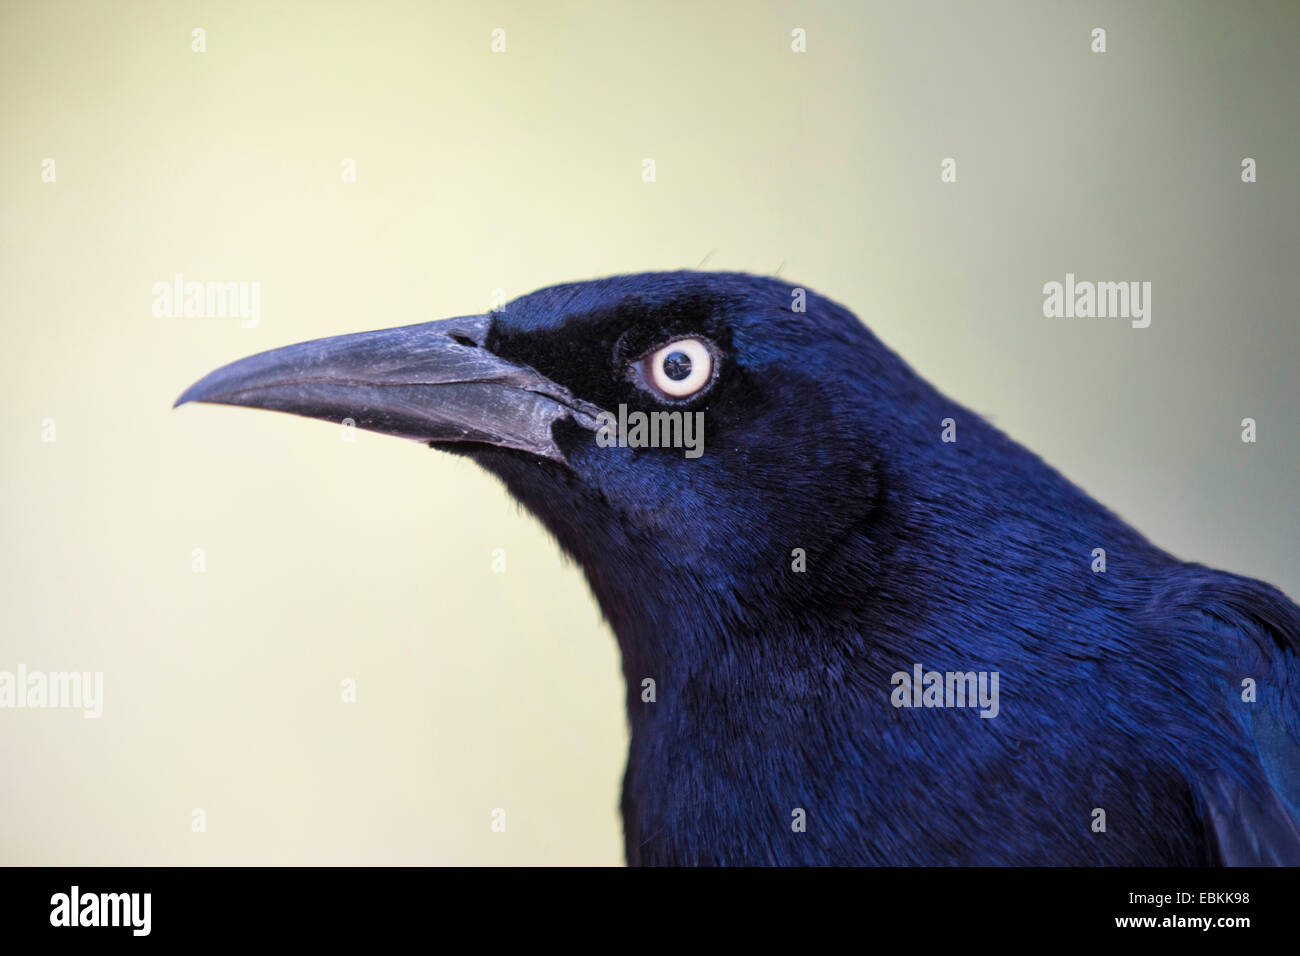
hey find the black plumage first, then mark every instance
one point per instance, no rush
(827, 540)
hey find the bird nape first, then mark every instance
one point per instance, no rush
(860, 625)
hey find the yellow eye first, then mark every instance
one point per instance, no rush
(679, 369)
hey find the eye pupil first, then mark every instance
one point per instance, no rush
(676, 370)
(677, 365)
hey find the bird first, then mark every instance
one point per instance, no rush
(781, 600)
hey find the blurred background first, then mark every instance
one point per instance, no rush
(482, 175)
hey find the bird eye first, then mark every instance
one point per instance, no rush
(679, 369)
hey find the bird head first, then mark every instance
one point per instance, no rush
(770, 426)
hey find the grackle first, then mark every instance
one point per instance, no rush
(792, 603)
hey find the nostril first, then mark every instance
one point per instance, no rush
(460, 338)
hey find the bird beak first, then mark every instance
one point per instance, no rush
(434, 382)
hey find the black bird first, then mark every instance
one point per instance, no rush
(846, 530)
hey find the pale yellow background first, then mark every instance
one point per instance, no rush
(477, 172)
